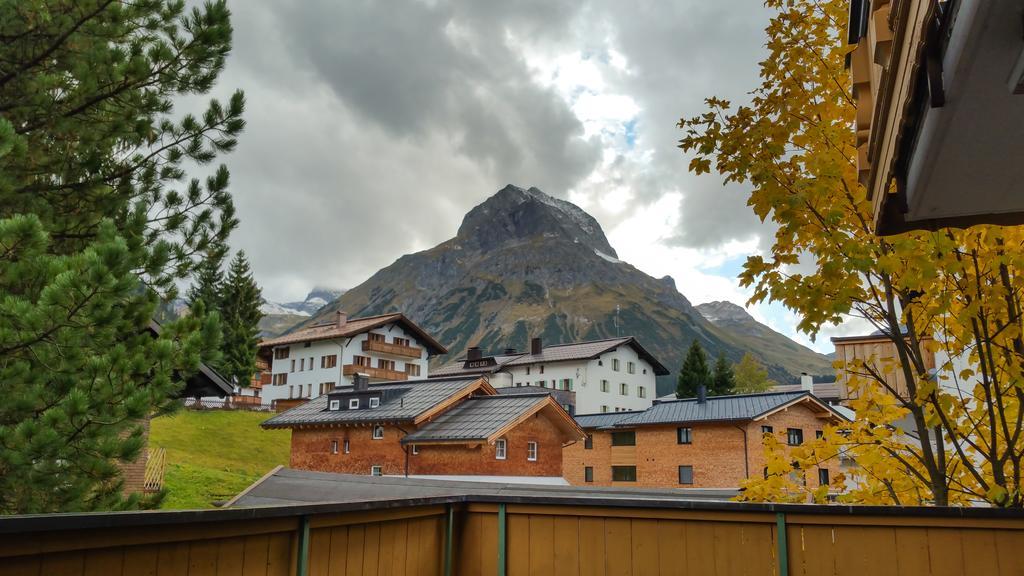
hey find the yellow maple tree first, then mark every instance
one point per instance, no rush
(951, 435)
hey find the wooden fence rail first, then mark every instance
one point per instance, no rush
(156, 465)
(470, 535)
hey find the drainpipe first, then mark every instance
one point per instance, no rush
(746, 457)
(405, 449)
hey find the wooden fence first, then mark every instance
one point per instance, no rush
(156, 465)
(524, 536)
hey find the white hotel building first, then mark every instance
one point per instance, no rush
(314, 360)
(611, 375)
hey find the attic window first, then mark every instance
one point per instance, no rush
(378, 432)
(353, 404)
(374, 402)
(335, 404)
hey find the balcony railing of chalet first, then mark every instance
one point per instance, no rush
(495, 533)
(373, 373)
(390, 348)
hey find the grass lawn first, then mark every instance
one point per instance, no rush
(214, 454)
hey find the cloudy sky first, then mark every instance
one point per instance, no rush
(373, 126)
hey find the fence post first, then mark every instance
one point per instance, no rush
(448, 544)
(501, 540)
(302, 562)
(783, 548)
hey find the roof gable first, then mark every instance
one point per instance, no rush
(486, 418)
(354, 327)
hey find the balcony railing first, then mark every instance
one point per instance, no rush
(373, 373)
(393, 349)
(486, 533)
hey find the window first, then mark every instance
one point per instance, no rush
(310, 362)
(376, 471)
(567, 384)
(280, 379)
(588, 473)
(375, 337)
(346, 445)
(542, 369)
(334, 446)
(542, 383)
(588, 442)
(623, 473)
(819, 434)
(686, 474)
(415, 449)
(302, 364)
(281, 353)
(293, 366)
(385, 364)
(624, 438)
(604, 408)
(353, 403)
(684, 435)
(527, 370)
(519, 384)
(374, 402)
(329, 361)
(631, 367)
(291, 391)
(604, 386)
(412, 369)
(309, 389)
(500, 446)
(823, 477)
(615, 364)
(307, 344)
(335, 404)
(767, 430)
(531, 451)
(624, 389)
(641, 392)
(401, 341)
(794, 436)
(378, 432)
(362, 361)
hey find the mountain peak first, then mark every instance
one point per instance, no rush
(723, 311)
(516, 214)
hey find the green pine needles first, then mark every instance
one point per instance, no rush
(97, 225)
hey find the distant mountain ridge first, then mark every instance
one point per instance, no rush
(279, 318)
(526, 264)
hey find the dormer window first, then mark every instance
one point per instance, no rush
(378, 432)
(374, 402)
(353, 404)
(335, 404)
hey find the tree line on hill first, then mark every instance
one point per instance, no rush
(746, 377)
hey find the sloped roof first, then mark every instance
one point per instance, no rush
(603, 419)
(407, 400)
(586, 351)
(458, 366)
(353, 327)
(828, 391)
(716, 409)
(477, 418)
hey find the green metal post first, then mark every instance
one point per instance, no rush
(448, 544)
(302, 562)
(780, 533)
(501, 540)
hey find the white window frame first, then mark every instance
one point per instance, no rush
(415, 449)
(500, 449)
(623, 389)
(334, 446)
(353, 403)
(335, 405)
(376, 471)
(378, 432)
(531, 451)
(606, 386)
(641, 392)
(346, 446)
(374, 402)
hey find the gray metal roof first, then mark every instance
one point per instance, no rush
(285, 486)
(604, 419)
(458, 367)
(476, 419)
(587, 350)
(408, 399)
(716, 408)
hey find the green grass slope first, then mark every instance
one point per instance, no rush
(213, 455)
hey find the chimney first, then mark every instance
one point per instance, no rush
(806, 382)
(473, 353)
(342, 318)
(361, 382)
(536, 345)
(702, 394)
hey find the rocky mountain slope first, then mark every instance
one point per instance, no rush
(748, 333)
(279, 318)
(526, 264)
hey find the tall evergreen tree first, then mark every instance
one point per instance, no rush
(208, 285)
(241, 299)
(694, 373)
(723, 382)
(97, 225)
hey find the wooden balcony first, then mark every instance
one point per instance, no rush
(393, 349)
(373, 373)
